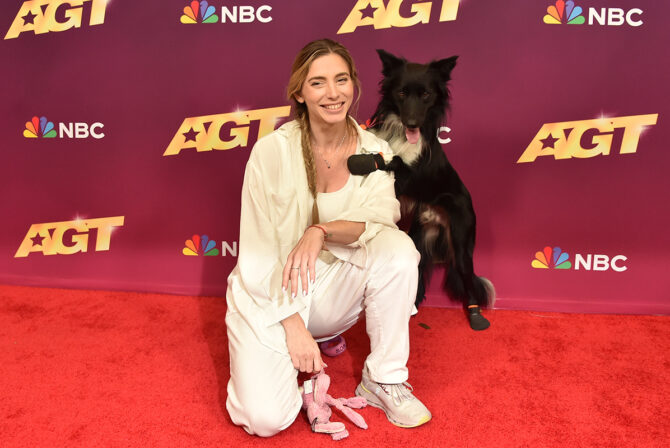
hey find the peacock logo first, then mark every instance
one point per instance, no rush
(39, 127)
(551, 258)
(564, 12)
(201, 10)
(198, 245)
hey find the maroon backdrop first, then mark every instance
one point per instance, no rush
(557, 129)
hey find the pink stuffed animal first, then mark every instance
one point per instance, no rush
(317, 402)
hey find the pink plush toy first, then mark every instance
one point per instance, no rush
(317, 402)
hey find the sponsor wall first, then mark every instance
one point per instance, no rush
(126, 126)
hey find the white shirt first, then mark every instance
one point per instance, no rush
(276, 210)
(333, 204)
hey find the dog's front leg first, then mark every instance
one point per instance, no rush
(402, 174)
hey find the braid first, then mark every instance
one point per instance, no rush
(308, 158)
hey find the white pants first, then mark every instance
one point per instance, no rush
(263, 394)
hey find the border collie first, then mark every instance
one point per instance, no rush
(435, 202)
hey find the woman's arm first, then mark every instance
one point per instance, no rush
(300, 267)
(374, 207)
(259, 256)
(259, 262)
(339, 231)
(302, 347)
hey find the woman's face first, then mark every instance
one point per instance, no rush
(328, 90)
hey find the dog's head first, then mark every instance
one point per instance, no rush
(416, 93)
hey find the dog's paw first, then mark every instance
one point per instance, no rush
(477, 321)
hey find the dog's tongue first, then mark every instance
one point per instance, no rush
(412, 135)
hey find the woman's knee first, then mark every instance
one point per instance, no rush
(262, 417)
(395, 249)
(265, 422)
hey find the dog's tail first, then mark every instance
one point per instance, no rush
(481, 292)
(490, 292)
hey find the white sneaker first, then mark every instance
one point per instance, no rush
(402, 408)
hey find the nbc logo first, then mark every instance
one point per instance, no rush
(203, 12)
(42, 127)
(39, 127)
(202, 245)
(206, 13)
(551, 258)
(565, 12)
(555, 258)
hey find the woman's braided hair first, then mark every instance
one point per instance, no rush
(301, 65)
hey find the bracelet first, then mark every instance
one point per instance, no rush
(325, 233)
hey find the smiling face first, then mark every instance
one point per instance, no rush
(328, 90)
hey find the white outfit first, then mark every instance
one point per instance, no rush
(332, 204)
(376, 274)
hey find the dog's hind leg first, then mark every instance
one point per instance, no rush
(416, 232)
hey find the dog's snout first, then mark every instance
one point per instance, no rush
(413, 114)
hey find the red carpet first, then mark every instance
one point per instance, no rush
(112, 369)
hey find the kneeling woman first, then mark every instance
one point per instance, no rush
(318, 248)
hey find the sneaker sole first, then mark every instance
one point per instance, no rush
(373, 401)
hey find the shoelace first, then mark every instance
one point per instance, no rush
(398, 392)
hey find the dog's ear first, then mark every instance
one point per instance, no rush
(444, 67)
(389, 62)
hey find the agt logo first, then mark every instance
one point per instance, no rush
(588, 138)
(42, 127)
(68, 237)
(566, 12)
(202, 12)
(202, 245)
(380, 16)
(43, 16)
(555, 258)
(224, 131)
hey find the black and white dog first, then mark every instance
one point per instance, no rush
(414, 99)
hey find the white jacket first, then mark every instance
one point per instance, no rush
(276, 210)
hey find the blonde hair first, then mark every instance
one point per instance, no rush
(299, 70)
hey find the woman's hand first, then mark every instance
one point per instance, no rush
(302, 261)
(302, 347)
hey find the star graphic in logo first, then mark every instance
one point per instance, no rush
(368, 12)
(190, 135)
(37, 240)
(29, 18)
(549, 141)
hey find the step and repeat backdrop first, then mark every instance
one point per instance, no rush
(125, 128)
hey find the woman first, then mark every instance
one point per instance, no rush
(318, 247)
